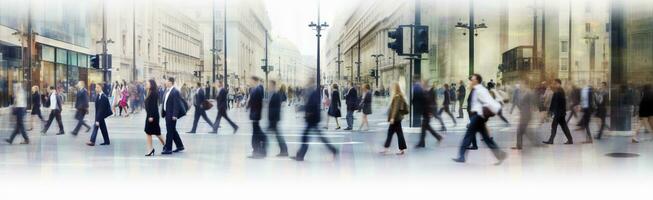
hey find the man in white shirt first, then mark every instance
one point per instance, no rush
(587, 106)
(55, 111)
(481, 106)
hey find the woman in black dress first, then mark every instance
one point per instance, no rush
(334, 106)
(366, 107)
(645, 112)
(152, 120)
(36, 106)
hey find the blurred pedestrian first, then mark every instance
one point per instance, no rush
(334, 107)
(351, 100)
(55, 103)
(587, 105)
(461, 98)
(255, 106)
(601, 101)
(36, 106)
(274, 115)
(200, 102)
(575, 102)
(81, 104)
(428, 100)
(558, 109)
(366, 107)
(152, 126)
(102, 111)
(526, 103)
(18, 110)
(398, 108)
(481, 106)
(221, 104)
(445, 106)
(645, 112)
(312, 116)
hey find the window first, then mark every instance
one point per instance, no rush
(564, 46)
(588, 27)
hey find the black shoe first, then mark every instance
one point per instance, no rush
(60, 133)
(8, 141)
(347, 129)
(73, 133)
(296, 158)
(420, 146)
(472, 148)
(236, 129)
(458, 160)
(25, 142)
(88, 130)
(105, 143)
(166, 152)
(151, 153)
(547, 142)
(213, 132)
(90, 144)
(179, 150)
(191, 132)
(282, 155)
(569, 142)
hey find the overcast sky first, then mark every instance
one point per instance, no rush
(290, 19)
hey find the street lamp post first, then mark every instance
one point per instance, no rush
(318, 28)
(471, 27)
(338, 62)
(376, 73)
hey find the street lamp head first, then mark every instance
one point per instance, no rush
(325, 24)
(482, 25)
(312, 24)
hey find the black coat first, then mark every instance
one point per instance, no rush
(151, 108)
(366, 103)
(200, 97)
(558, 103)
(334, 107)
(221, 99)
(255, 103)
(36, 103)
(312, 107)
(102, 108)
(174, 106)
(81, 104)
(274, 108)
(351, 99)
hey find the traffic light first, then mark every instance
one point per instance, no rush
(372, 73)
(95, 61)
(421, 39)
(197, 73)
(264, 68)
(397, 44)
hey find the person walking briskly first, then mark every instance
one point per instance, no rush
(645, 112)
(36, 106)
(481, 106)
(54, 101)
(18, 110)
(81, 104)
(222, 105)
(428, 100)
(461, 98)
(351, 100)
(255, 106)
(445, 106)
(152, 127)
(200, 111)
(102, 111)
(334, 107)
(601, 101)
(558, 108)
(366, 107)
(398, 108)
(575, 102)
(312, 115)
(174, 108)
(274, 115)
(587, 105)
(526, 103)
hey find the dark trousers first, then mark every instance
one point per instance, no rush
(282, 142)
(559, 119)
(103, 128)
(172, 135)
(20, 124)
(54, 114)
(259, 140)
(585, 122)
(445, 108)
(350, 119)
(221, 114)
(392, 129)
(312, 128)
(426, 126)
(460, 109)
(477, 125)
(602, 117)
(572, 113)
(80, 121)
(522, 129)
(200, 112)
(503, 118)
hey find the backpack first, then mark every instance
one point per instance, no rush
(46, 101)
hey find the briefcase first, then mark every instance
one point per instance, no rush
(206, 105)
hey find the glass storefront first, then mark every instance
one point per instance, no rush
(63, 67)
(10, 71)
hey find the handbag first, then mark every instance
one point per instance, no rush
(206, 105)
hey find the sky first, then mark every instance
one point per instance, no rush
(290, 19)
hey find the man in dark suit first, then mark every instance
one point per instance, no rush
(81, 104)
(198, 99)
(274, 115)
(55, 102)
(351, 99)
(559, 109)
(102, 111)
(601, 98)
(587, 106)
(461, 99)
(222, 104)
(255, 106)
(173, 108)
(312, 117)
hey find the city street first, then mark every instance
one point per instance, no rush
(224, 156)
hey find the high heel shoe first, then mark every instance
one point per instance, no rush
(151, 153)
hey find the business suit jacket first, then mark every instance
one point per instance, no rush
(255, 103)
(81, 104)
(174, 106)
(558, 103)
(102, 108)
(221, 99)
(312, 107)
(274, 108)
(351, 99)
(200, 97)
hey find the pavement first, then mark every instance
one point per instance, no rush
(223, 156)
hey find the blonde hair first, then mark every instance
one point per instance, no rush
(35, 88)
(396, 89)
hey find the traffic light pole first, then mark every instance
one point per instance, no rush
(417, 67)
(318, 28)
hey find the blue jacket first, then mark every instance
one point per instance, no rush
(351, 99)
(102, 107)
